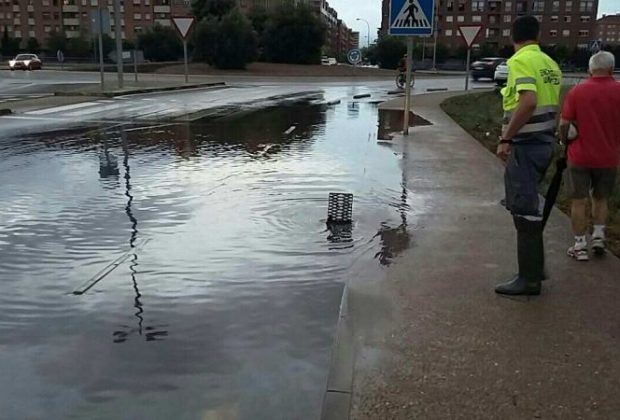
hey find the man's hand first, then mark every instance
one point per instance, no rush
(503, 151)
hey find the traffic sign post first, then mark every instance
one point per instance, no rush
(411, 18)
(354, 56)
(184, 25)
(469, 33)
(595, 46)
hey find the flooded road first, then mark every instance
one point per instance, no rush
(211, 282)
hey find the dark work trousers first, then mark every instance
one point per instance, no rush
(525, 169)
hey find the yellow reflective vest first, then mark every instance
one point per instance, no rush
(530, 69)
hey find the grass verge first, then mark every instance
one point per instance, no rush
(480, 114)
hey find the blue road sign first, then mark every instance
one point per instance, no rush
(412, 17)
(595, 46)
(354, 56)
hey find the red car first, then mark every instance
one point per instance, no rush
(26, 62)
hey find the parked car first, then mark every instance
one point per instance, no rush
(328, 61)
(501, 73)
(485, 67)
(26, 62)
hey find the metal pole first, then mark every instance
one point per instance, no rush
(101, 69)
(408, 87)
(135, 65)
(467, 69)
(186, 65)
(119, 42)
(423, 49)
(435, 45)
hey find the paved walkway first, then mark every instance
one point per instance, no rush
(430, 340)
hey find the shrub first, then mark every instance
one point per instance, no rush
(160, 43)
(389, 52)
(226, 43)
(293, 34)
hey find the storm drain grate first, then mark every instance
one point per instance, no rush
(340, 208)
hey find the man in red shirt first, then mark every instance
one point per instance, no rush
(593, 108)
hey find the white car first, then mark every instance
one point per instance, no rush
(501, 74)
(328, 61)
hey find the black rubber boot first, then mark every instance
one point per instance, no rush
(531, 255)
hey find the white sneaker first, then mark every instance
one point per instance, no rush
(580, 254)
(598, 246)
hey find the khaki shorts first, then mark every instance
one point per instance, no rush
(583, 182)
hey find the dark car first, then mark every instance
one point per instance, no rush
(25, 62)
(485, 67)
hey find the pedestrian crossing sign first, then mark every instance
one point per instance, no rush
(411, 17)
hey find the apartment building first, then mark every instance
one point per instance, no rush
(563, 22)
(608, 29)
(37, 18)
(26, 19)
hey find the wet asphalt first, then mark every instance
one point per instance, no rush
(195, 226)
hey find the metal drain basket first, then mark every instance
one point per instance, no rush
(340, 208)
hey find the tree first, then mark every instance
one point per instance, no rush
(78, 47)
(57, 41)
(390, 50)
(258, 16)
(9, 46)
(160, 43)
(370, 54)
(294, 34)
(202, 9)
(33, 45)
(226, 43)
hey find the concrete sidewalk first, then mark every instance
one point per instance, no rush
(431, 340)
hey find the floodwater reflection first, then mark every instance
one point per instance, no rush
(234, 301)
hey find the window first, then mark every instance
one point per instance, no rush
(448, 32)
(137, 16)
(521, 7)
(585, 18)
(584, 32)
(449, 18)
(553, 32)
(147, 16)
(476, 19)
(586, 5)
(450, 5)
(555, 6)
(508, 6)
(539, 6)
(506, 32)
(554, 19)
(477, 6)
(566, 32)
(462, 5)
(136, 3)
(507, 18)
(47, 29)
(569, 6)
(460, 19)
(568, 19)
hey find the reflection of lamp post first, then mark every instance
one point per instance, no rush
(368, 34)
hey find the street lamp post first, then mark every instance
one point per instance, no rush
(368, 33)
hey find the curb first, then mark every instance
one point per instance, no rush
(112, 94)
(337, 399)
(5, 111)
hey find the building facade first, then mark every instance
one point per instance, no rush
(37, 18)
(608, 29)
(571, 23)
(26, 19)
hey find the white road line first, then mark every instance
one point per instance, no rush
(60, 108)
(92, 110)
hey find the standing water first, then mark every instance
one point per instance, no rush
(219, 283)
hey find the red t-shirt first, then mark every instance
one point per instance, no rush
(595, 108)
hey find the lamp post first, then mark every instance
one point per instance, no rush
(368, 34)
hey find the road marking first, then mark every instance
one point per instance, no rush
(61, 108)
(93, 110)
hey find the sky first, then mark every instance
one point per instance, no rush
(349, 10)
